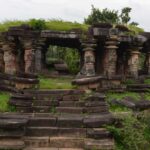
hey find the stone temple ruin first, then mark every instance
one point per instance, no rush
(109, 55)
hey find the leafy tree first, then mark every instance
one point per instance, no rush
(110, 16)
(125, 15)
(102, 16)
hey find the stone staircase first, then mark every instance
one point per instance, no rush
(63, 120)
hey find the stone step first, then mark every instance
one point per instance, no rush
(11, 144)
(96, 109)
(9, 123)
(97, 121)
(22, 103)
(36, 142)
(71, 103)
(95, 103)
(55, 131)
(66, 142)
(98, 133)
(42, 121)
(45, 103)
(71, 97)
(105, 144)
(27, 109)
(70, 121)
(49, 97)
(55, 142)
(11, 133)
(22, 97)
(72, 110)
(44, 148)
(55, 92)
(42, 109)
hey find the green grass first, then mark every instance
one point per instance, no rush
(56, 83)
(147, 96)
(4, 98)
(57, 25)
(60, 25)
(119, 96)
(147, 81)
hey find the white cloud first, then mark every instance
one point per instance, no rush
(73, 10)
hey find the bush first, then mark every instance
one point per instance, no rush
(131, 135)
(37, 24)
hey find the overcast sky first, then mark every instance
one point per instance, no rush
(71, 10)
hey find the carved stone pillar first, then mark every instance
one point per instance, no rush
(9, 58)
(29, 57)
(38, 59)
(89, 61)
(148, 62)
(133, 63)
(2, 67)
(110, 58)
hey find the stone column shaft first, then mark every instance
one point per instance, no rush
(133, 63)
(38, 59)
(28, 57)
(9, 60)
(148, 62)
(110, 58)
(89, 61)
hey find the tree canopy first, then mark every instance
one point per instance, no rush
(110, 16)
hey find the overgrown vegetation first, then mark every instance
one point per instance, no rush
(39, 24)
(56, 83)
(4, 98)
(147, 81)
(113, 17)
(119, 96)
(133, 134)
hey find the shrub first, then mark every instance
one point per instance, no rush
(37, 24)
(131, 135)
